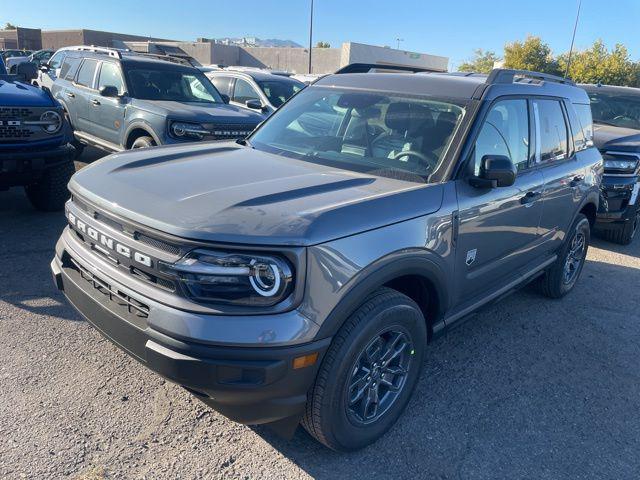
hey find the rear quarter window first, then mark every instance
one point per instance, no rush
(586, 121)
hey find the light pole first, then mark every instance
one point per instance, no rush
(310, 35)
(573, 39)
(399, 40)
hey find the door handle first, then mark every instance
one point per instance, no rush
(577, 180)
(71, 95)
(95, 102)
(530, 197)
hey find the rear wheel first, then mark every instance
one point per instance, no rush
(626, 234)
(564, 273)
(50, 192)
(143, 142)
(368, 373)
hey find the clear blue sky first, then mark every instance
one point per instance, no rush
(451, 28)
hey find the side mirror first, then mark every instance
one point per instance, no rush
(495, 171)
(27, 70)
(254, 104)
(109, 91)
(225, 98)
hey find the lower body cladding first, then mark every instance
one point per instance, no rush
(250, 385)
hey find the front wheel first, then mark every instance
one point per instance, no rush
(564, 273)
(50, 193)
(626, 234)
(143, 142)
(368, 373)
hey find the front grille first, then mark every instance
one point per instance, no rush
(13, 132)
(230, 131)
(122, 300)
(12, 127)
(159, 244)
(9, 113)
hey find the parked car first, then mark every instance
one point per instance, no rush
(616, 118)
(39, 57)
(299, 275)
(34, 140)
(49, 70)
(254, 89)
(118, 100)
(11, 53)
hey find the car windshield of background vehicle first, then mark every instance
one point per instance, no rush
(383, 134)
(279, 92)
(619, 110)
(171, 85)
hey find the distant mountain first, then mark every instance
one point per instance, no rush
(257, 42)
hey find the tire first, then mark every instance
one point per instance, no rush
(329, 417)
(626, 234)
(78, 147)
(50, 193)
(557, 281)
(143, 142)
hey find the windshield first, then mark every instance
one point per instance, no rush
(384, 134)
(172, 85)
(617, 109)
(279, 92)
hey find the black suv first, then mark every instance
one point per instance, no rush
(299, 275)
(118, 100)
(616, 116)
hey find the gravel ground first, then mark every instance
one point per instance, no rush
(527, 388)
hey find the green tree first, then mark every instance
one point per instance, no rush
(531, 54)
(9, 26)
(323, 45)
(482, 62)
(598, 64)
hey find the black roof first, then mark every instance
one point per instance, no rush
(130, 59)
(617, 90)
(460, 86)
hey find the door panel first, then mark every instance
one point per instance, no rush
(107, 114)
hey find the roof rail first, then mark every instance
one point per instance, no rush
(163, 57)
(112, 52)
(367, 67)
(504, 75)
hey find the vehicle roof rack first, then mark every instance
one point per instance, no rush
(504, 75)
(367, 67)
(112, 52)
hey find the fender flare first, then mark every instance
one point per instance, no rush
(592, 197)
(398, 264)
(140, 124)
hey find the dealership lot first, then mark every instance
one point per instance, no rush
(526, 388)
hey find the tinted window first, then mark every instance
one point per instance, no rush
(110, 76)
(222, 84)
(56, 60)
(86, 73)
(69, 67)
(552, 138)
(386, 134)
(243, 91)
(618, 109)
(279, 92)
(579, 141)
(505, 132)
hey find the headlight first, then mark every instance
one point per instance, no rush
(620, 163)
(188, 130)
(233, 278)
(51, 121)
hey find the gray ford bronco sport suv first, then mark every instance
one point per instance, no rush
(299, 275)
(118, 100)
(34, 140)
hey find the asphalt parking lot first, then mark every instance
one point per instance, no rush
(527, 388)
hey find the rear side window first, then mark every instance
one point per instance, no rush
(586, 122)
(222, 84)
(505, 132)
(552, 131)
(69, 68)
(579, 142)
(86, 73)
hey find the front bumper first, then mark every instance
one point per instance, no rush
(251, 385)
(20, 166)
(618, 201)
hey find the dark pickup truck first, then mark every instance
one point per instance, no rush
(34, 140)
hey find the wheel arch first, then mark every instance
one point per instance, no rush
(414, 274)
(137, 130)
(589, 207)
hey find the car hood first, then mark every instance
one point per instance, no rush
(223, 192)
(608, 137)
(197, 112)
(18, 94)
